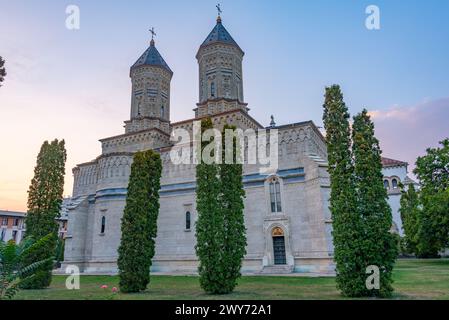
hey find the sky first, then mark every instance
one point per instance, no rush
(75, 85)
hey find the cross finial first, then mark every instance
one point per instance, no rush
(219, 9)
(152, 33)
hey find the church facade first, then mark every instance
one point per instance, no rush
(286, 212)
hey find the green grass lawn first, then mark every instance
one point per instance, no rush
(414, 279)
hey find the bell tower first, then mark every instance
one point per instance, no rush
(220, 73)
(150, 97)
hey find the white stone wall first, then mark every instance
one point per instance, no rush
(305, 218)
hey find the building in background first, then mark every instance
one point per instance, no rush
(12, 225)
(395, 174)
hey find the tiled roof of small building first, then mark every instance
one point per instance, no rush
(387, 162)
(219, 34)
(151, 57)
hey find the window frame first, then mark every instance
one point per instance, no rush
(188, 220)
(274, 189)
(103, 225)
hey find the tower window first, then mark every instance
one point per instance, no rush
(162, 111)
(103, 224)
(394, 183)
(386, 184)
(188, 220)
(275, 196)
(212, 89)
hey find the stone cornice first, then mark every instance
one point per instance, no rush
(134, 133)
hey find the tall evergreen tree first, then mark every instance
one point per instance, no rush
(410, 213)
(2, 70)
(139, 222)
(45, 197)
(346, 221)
(210, 224)
(232, 195)
(378, 244)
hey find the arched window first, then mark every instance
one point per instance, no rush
(212, 89)
(386, 184)
(162, 111)
(394, 183)
(103, 224)
(275, 196)
(188, 221)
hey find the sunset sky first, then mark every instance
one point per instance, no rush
(74, 84)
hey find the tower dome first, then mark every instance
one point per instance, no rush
(151, 57)
(150, 98)
(220, 72)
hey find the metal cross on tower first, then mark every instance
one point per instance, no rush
(152, 33)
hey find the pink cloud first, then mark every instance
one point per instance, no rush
(406, 131)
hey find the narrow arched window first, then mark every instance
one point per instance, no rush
(103, 224)
(394, 183)
(188, 220)
(162, 111)
(386, 184)
(212, 89)
(275, 196)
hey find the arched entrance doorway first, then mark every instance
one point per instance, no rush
(279, 246)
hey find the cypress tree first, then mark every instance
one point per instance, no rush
(379, 245)
(2, 71)
(45, 197)
(210, 224)
(232, 195)
(139, 222)
(410, 213)
(346, 221)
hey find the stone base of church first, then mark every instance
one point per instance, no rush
(303, 266)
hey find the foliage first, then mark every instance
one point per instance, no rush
(2, 70)
(139, 222)
(346, 221)
(232, 206)
(45, 197)
(13, 269)
(220, 229)
(410, 215)
(209, 226)
(380, 247)
(432, 171)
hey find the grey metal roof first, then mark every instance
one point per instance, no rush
(12, 213)
(219, 34)
(151, 57)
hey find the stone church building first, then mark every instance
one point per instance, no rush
(286, 213)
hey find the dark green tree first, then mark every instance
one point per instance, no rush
(378, 243)
(139, 222)
(210, 232)
(232, 195)
(2, 70)
(410, 213)
(45, 197)
(432, 171)
(346, 221)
